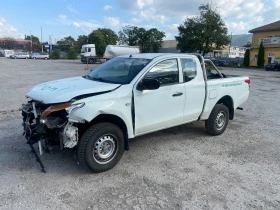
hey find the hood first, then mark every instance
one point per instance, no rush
(63, 90)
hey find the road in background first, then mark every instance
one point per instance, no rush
(177, 168)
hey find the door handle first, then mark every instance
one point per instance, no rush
(177, 94)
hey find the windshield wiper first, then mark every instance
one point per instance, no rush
(100, 79)
(94, 78)
(87, 77)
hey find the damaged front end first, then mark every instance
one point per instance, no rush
(49, 125)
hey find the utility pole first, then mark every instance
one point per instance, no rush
(41, 39)
(229, 45)
(30, 42)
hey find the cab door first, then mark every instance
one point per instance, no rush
(163, 107)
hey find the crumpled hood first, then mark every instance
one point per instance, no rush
(63, 90)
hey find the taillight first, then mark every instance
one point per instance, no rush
(248, 82)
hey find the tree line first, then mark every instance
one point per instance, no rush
(147, 40)
(201, 34)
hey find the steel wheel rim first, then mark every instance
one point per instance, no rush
(104, 149)
(220, 120)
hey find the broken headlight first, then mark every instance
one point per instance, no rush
(74, 107)
(68, 107)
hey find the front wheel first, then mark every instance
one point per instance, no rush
(218, 120)
(101, 147)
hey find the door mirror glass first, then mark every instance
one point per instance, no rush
(148, 84)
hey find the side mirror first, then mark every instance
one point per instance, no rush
(148, 84)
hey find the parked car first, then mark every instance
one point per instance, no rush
(222, 63)
(126, 97)
(20, 55)
(40, 55)
(272, 67)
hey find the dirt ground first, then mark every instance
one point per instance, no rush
(177, 168)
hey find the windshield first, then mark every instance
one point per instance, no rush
(118, 70)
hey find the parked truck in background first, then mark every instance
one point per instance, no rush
(88, 52)
(126, 97)
(8, 53)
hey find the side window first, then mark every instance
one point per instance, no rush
(211, 71)
(89, 49)
(189, 69)
(166, 72)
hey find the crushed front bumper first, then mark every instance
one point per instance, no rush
(54, 130)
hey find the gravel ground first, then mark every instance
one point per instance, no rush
(177, 168)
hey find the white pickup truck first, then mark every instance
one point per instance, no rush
(129, 96)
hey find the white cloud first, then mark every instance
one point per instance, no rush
(86, 26)
(76, 24)
(107, 7)
(7, 30)
(73, 10)
(113, 22)
(240, 16)
(136, 20)
(62, 17)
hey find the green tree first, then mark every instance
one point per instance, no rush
(55, 54)
(246, 60)
(65, 43)
(101, 38)
(35, 39)
(72, 54)
(260, 61)
(35, 44)
(82, 39)
(128, 36)
(110, 36)
(96, 37)
(155, 38)
(203, 33)
(148, 40)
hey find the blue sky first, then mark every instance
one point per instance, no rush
(60, 18)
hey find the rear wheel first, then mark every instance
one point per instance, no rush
(91, 61)
(101, 147)
(218, 120)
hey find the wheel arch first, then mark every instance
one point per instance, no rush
(110, 118)
(228, 102)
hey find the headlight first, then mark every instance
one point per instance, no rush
(69, 107)
(73, 107)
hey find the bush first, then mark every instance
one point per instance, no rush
(71, 53)
(55, 54)
(260, 61)
(246, 61)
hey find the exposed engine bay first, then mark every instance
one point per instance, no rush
(48, 125)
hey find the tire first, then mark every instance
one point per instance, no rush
(218, 120)
(100, 137)
(91, 61)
